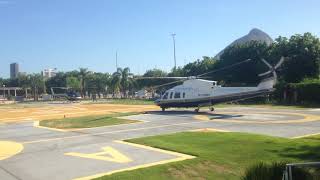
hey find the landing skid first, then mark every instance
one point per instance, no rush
(195, 110)
(198, 109)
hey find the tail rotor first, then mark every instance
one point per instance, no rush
(272, 69)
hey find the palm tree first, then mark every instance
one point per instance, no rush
(83, 73)
(25, 82)
(125, 81)
(37, 82)
(101, 80)
(116, 82)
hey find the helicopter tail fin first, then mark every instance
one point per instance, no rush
(268, 83)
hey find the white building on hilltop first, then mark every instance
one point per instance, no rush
(48, 73)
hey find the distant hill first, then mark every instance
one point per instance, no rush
(254, 35)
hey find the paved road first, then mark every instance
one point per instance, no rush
(48, 154)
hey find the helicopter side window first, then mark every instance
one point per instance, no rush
(177, 95)
(171, 94)
(183, 95)
(165, 96)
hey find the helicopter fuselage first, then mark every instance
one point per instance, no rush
(199, 92)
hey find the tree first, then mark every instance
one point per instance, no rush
(115, 83)
(83, 73)
(200, 66)
(73, 82)
(152, 82)
(244, 74)
(59, 80)
(37, 83)
(102, 80)
(97, 83)
(302, 54)
(126, 80)
(25, 82)
(1, 82)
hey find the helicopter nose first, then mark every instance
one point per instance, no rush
(157, 101)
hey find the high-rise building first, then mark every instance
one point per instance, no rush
(48, 73)
(14, 70)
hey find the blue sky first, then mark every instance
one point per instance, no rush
(68, 34)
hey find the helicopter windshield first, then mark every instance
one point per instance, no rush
(165, 96)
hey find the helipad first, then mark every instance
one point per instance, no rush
(32, 153)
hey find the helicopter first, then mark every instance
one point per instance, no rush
(197, 92)
(69, 94)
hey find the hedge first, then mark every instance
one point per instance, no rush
(306, 91)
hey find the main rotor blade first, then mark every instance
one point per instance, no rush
(265, 73)
(279, 63)
(224, 68)
(266, 63)
(161, 77)
(206, 77)
(166, 84)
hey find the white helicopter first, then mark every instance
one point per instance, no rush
(196, 92)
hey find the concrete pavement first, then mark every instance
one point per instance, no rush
(89, 153)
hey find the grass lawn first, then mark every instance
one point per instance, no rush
(220, 155)
(88, 121)
(124, 101)
(132, 101)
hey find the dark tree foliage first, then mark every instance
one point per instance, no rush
(57, 81)
(303, 57)
(244, 74)
(152, 82)
(198, 67)
(302, 61)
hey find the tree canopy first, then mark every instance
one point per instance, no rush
(302, 61)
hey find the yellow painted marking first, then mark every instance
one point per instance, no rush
(9, 149)
(113, 155)
(202, 117)
(180, 157)
(37, 125)
(130, 168)
(307, 118)
(108, 132)
(156, 149)
(307, 135)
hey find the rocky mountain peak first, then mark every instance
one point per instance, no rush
(255, 34)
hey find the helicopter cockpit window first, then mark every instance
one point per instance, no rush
(177, 95)
(171, 94)
(165, 96)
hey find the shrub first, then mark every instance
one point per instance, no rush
(273, 171)
(307, 91)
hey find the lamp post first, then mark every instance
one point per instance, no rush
(174, 50)
(117, 61)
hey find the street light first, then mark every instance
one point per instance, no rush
(174, 50)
